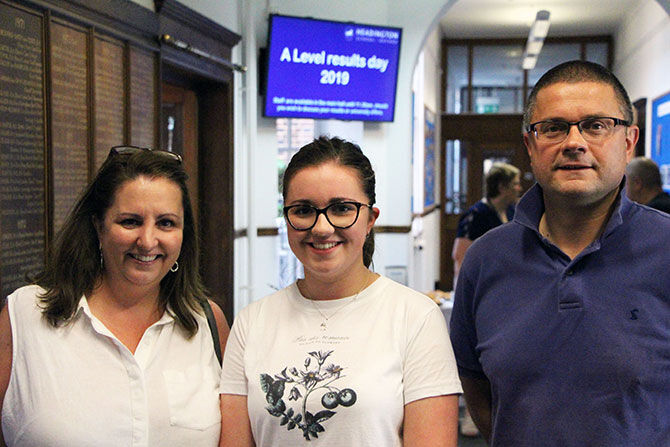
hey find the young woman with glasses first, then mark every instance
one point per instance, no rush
(344, 356)
(111, 346)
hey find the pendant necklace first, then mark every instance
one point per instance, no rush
(324, 323)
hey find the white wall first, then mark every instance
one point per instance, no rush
(224, 13)
(424, 267)
(431, 252)
(432, 70)
(642, 55)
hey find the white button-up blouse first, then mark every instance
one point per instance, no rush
(78, 385)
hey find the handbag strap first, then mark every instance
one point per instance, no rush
(211, 321)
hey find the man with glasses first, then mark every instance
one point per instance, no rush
(561, 321)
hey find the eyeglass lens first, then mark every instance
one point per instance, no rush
(339, 215)
(593, 129)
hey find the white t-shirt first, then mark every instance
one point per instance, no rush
(343, 386)
(78, 385)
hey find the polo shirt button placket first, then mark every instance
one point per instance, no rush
(569, 298)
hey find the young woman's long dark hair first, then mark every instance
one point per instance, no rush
(74, 268)
(323, 150)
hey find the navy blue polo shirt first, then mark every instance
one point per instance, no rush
(577, 351)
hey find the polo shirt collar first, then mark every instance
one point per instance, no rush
(530, 208)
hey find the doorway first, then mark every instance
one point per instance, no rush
(196, 122)
(470, 144)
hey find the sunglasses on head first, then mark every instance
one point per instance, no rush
(130, 150)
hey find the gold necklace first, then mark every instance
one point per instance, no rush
(324, 323)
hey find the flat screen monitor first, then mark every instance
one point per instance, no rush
(331, 70)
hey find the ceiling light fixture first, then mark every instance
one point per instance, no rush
(538, 31)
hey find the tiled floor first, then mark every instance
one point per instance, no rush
(471, 442)
(467, 441)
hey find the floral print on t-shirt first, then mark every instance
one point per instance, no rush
(313, 377)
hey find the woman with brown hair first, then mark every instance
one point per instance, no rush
(344, 356)
(111, 345)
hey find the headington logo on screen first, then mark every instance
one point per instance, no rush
(348, 33)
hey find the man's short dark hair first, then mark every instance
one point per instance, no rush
(579, 71)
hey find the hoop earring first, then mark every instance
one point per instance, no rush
(175, 267)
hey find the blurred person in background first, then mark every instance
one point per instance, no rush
(643, 184)
(503, 187)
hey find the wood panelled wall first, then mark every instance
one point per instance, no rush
(76, 78)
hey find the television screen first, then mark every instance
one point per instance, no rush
(331, 70)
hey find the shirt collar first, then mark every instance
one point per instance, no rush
(84, 308)
(530, 208)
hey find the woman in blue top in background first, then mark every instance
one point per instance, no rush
(503, 186)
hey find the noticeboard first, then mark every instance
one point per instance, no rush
(660, 136)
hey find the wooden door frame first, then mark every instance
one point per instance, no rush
(216, 191)
(213, 84)
(215, 180)
(482, 132)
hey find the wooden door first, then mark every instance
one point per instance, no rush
(196, 122)
(179, 132)
(474, 141)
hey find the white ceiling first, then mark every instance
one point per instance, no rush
(512, 18)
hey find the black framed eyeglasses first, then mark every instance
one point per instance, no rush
(593, 129)
(303, 217)
(130, 150)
